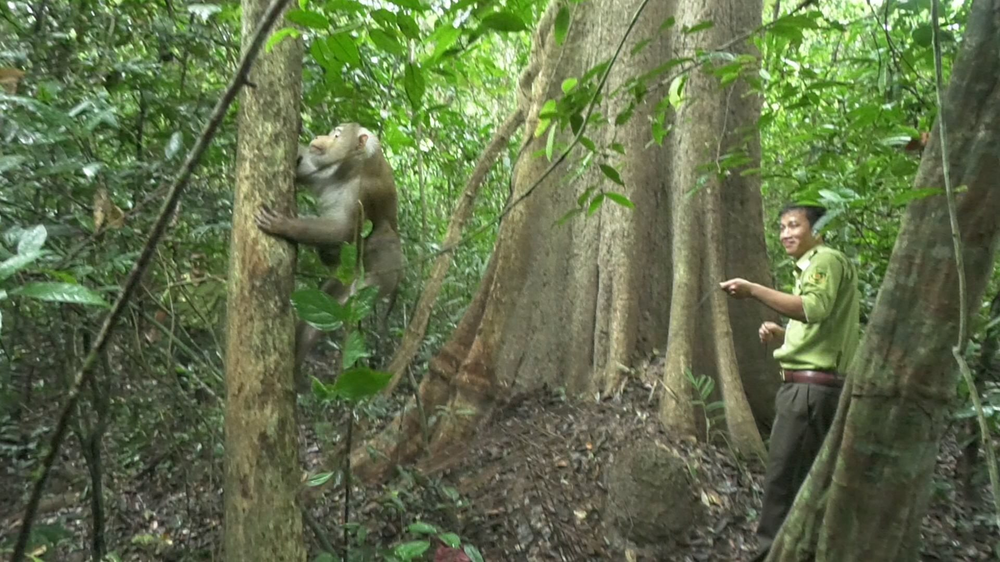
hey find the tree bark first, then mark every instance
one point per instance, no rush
(262, 514)
(575, 305)
(868, 490)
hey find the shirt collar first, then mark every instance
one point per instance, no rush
(803, 262)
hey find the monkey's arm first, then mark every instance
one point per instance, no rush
(316, 231)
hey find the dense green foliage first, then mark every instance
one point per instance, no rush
(115, 91)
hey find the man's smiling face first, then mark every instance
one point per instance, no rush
(796, 233)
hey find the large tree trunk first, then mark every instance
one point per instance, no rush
(262, 515)
(574, 305)
(868, 490)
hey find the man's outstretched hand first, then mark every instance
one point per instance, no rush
(737, 288)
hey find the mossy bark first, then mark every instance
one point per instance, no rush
(263, 520)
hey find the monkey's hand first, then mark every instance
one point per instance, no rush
(271, 222)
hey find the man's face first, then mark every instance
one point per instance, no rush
(796, 233)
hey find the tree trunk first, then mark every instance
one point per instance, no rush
(575, 305)
(262, 515)
(868, 490)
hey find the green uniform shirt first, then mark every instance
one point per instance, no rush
(826, 341)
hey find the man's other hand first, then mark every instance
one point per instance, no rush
(769, 331)
(737, 288)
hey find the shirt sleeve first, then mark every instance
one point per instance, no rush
(819, 285)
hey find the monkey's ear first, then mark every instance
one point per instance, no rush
(362, 140)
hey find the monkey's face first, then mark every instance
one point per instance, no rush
(326, 153)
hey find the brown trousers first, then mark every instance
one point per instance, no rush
(804, 413)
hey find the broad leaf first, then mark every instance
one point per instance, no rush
(473, 553)
(411, 550)
(60, 292)
(308, 18)
(17, 263)
(10, 162)
(413, 81)
(620, 199)
(319, 479)
(595, 204)
(699, 27)
(505, 22)
(909, 195)
(562, 25)
(411, 4)
(612, 174)
(408, 26)
(450, 539)
(174, 145)
(359, 383)
(568, 85)
(279, 35)
(354, 349)
(420, 528)
(318, 309)
(386, 42)
(342, 48)
(32, 240)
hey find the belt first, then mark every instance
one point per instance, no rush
(823, 378)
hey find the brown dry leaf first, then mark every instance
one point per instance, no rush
(106, 212)
(10, 78)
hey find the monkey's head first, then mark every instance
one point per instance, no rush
(348, 143)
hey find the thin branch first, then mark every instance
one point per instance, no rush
(959, 349)
(85, 372)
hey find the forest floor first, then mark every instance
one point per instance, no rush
(532, 486)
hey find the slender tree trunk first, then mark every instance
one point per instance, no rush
(868, 490)
(263, 520)
(575, 305)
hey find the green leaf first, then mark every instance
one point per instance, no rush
(505, 22)
(408, 26)
(348, 263)
(568, 85)
(572, 213)
(450, 539)
(60, 292)
(321, 391)
(362, 304)
(550, 144)
(342, 48)
(612, 174)
(909, 195)
(10, 162)
(318, 309)
(354, 349)
(409, 4)
(473, 553)
(444, 38)
(699, 27)
(308, 18)
(420, 528)
(562, 25)
(32, 240)
(595, 204)
(278, 36)
(384, 17)
(319, 479)
(923, 35)
(667, 23)
(344, 6)
(412, 549)
(589, 144)
(413, 81)
(359, 383)
(639, 47)
(620, 199)
(174, 145)
(386, 42)
(12, 265)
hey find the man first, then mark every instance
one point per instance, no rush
(816, 347)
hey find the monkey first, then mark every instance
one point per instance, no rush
(352, 182)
